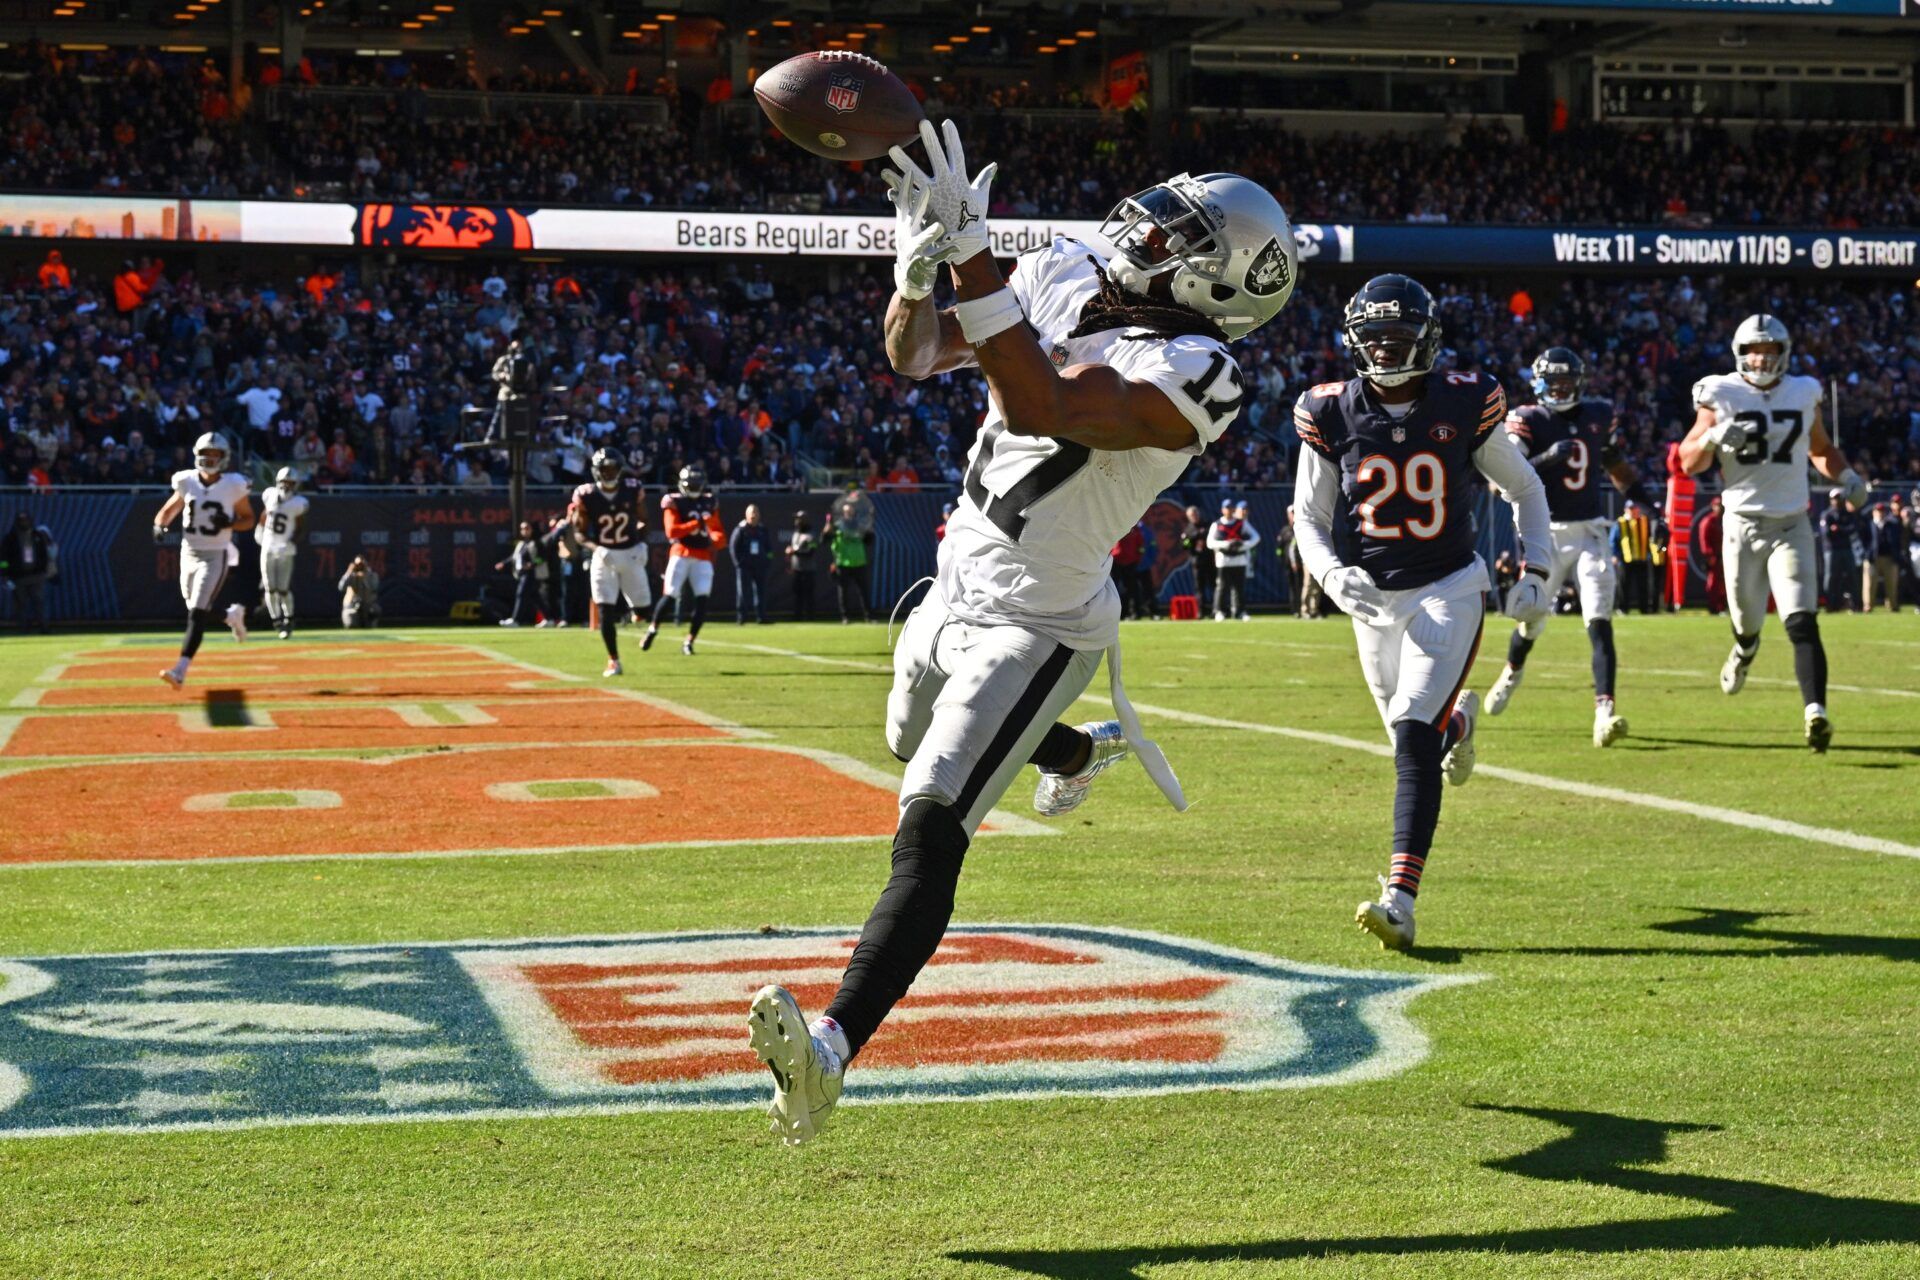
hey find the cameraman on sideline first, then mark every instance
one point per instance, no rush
(359, 595)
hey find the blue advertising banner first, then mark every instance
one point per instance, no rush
(1603, 249)
(1793, 8)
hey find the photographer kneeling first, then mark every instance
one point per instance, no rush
(359, 595)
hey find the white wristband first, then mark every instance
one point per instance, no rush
(982, 318)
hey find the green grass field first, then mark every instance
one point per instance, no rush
(1694, 1049)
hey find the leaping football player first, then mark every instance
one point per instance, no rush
(1109, 369)
(282, 521)
(1568, 436)
(1762, 425)
(211, 504)
(694, 532)
(1383, 510)
(607, 516)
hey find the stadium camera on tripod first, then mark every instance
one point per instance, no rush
(511, 421)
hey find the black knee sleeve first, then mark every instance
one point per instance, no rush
(661, 606)
(198, 620)
(1060, 749)
(609, 631)
(1518, 647)
(1809, 656)
(699, 615)
(1416, 797)
(907, 922)
(1600, 632)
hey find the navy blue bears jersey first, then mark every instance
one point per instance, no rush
(1405, 513)
(613, 520)
(689, 520)
(1573, 483)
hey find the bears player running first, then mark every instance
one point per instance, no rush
(694, 528)
(1109, 372)
(281, 523)
(1569, 437)
(1763, 426)
(607, 516)
(1384, 516)
(211, 504)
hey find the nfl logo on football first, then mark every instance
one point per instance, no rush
(843, 92)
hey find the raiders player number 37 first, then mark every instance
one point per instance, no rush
(1383, 509)
(1762, 425)
(1109, 369)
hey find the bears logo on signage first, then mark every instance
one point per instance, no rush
(444, 226)
(572, 1025)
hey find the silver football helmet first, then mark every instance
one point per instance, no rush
(288, 482)
(1757, 367)
(1224, 241)
(210, 453)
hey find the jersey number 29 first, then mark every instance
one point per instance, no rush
(1423, 480)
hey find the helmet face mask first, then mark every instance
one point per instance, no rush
(693, 480)
(1761, 350)
(287, 482)
(1216, 244)
(210, 454)
(607, 469)
(1559, 378)
(1391, 332)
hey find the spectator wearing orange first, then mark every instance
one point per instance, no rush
(54, 273)
(129, 290)
(319, 284)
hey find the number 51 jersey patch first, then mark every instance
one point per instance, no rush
(1406, 484)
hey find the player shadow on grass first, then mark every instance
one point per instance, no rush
(1652, 742)
(1599, 1150)
(1715, 922)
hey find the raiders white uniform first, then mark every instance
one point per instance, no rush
(206, 544)
(1767, 536)
(1024, 603)
(279, 518)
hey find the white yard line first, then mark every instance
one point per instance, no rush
(1591, 791)
(797, 656)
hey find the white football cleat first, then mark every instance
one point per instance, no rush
(1608, 728)
(1457, 764)
(1389, 919)
(175, 677)
(1059, 793)
(806, 1073)
(237, 622)
(613, 669)
(1819, 729)
(1502, 691)
(686, 646)
(1733, 672)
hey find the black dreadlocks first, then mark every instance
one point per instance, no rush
(1117, 308)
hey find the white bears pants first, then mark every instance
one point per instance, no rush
(1580, 549)
(1417, 654)
(617, 574)
(971, 703)
(1762, 552)
(684, 569)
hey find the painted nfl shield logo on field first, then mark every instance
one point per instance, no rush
(586, 1025)
(843, 90)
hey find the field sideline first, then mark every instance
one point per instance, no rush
(1686, 1046)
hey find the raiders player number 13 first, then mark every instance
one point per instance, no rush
(1109, 370)
(211, 505)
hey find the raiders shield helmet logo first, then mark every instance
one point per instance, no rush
(1269, 273)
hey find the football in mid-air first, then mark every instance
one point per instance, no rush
(839, 104)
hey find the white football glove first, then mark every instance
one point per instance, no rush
(959, 205)
(1854, 489)
(1730, 436)
(918, 248)
(1353, 589)
(1527, 599)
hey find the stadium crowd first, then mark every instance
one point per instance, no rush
(370, 380)
(171, 124)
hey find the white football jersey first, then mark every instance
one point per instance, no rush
(1030, 540)
(282, 513)
(206, 520)
(1768, 476)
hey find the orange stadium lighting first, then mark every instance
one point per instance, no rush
(649, 26)
(667, 17)
(783, 22)
(943, 48)
(856, 35)
(412, 26)
(1046, 48)
(1087, 35)
(1065, 41)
